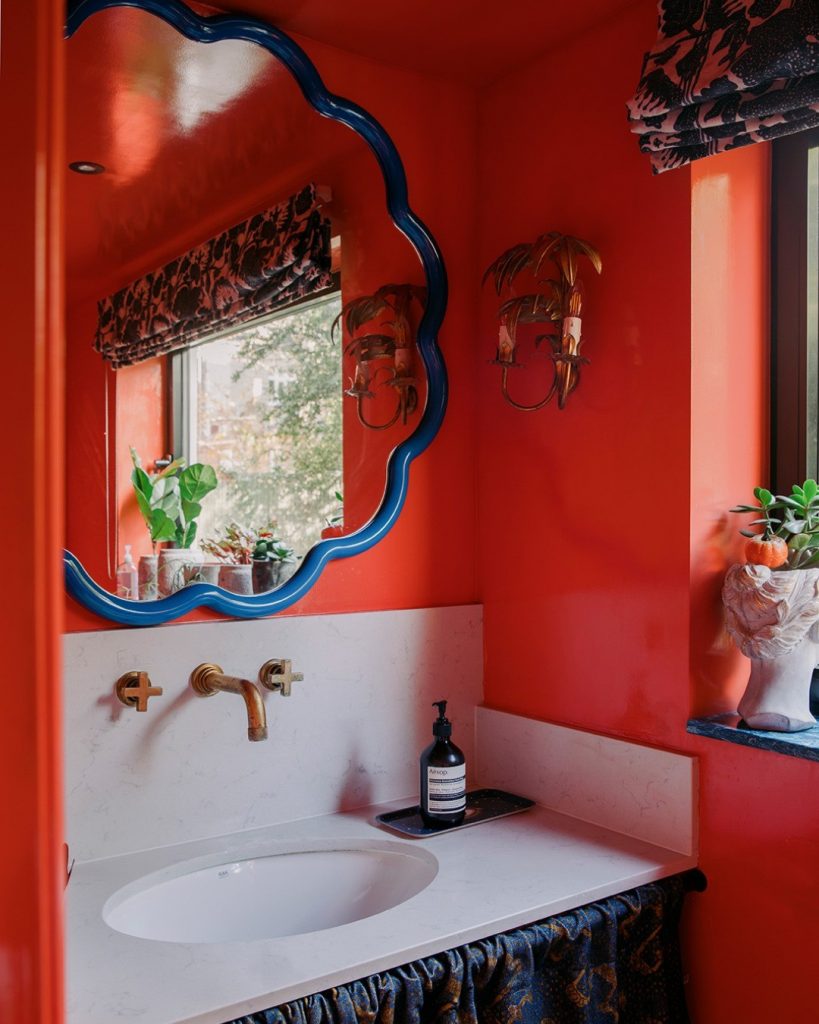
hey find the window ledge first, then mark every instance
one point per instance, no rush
(727, 727)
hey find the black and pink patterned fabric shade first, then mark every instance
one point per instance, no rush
(726, 73)
(265, 263)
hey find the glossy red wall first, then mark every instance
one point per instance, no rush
(31, 513)
(603, 535)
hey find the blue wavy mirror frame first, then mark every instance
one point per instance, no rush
(203, 595)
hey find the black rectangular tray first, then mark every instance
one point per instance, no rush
(481, 805)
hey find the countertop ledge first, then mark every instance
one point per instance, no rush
(491, 878)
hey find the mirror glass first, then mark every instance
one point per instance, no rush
(227, 460)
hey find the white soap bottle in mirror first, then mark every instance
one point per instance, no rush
(127, 579)
(443, 776)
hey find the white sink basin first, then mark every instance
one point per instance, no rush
(275, 892)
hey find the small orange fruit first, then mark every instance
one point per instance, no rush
(773, 552)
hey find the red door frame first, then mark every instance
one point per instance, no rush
(31, 510)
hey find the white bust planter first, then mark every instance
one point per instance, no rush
(773, 618)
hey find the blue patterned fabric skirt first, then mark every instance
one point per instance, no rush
(615, 961)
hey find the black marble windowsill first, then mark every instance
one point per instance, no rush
(727, 727)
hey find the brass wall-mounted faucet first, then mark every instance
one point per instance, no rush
(208, 680)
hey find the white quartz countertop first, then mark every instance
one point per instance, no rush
(493, 877)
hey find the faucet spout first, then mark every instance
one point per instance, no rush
(208, 680)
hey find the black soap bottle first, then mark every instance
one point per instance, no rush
(443, 776)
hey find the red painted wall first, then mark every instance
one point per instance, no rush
(603, 535)
(31, 882)
(585, 511)
(729, 402)
(428, 558)
(140, 421)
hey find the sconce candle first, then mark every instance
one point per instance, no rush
(361, 384)
(506, 345)
(571, 328)
(403, 362)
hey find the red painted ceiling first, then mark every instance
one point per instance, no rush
(474, 41)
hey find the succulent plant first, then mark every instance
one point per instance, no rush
(787, 527)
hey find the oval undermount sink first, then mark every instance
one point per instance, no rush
(270, 894)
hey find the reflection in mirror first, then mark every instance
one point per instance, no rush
(223, 457)
(262, 405)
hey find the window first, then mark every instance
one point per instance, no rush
(262, 405)
(795, 350)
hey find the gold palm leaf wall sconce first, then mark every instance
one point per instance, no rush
(381, 329)
(556, 300)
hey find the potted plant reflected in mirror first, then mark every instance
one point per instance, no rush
(334, 523)
(772, 607)
(251, 561)
(381, 332)
(170, 502)
(234, 552)
(271, 559)
(554, 300)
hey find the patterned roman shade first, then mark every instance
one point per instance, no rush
(726, 73)
(263, 264)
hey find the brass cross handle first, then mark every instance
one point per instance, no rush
(277, 675)
(134, 689)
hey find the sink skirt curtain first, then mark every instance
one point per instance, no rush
(615, 961)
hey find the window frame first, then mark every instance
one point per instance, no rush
(795, 330)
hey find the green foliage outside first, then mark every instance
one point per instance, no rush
(272, 427)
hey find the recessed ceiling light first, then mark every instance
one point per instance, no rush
(86, 167)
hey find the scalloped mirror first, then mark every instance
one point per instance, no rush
(231, 465)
